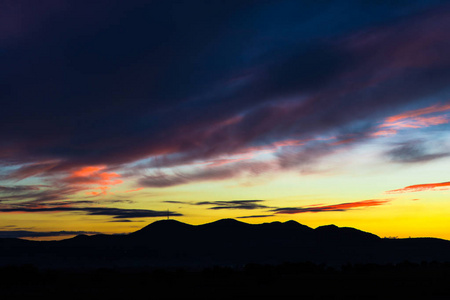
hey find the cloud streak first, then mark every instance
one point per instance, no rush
(422, 187)
(418, 118)
(333, 207)
(116, 213)
(18, 189)
(416, 151)
(202, 174)
(254, 216)
(231, 204)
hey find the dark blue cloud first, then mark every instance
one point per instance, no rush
(112, 82)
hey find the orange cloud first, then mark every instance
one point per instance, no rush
(87, 171)
(135, 190)
(103, 191)
(93, 176)
(422, 187)
(334, 207)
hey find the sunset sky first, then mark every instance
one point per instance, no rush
(116, 113)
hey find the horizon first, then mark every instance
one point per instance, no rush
(60, 236)
(120, 114)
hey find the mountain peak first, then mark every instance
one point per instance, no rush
(329, 227)
(163, 225)
(226, 223)
(294, 224)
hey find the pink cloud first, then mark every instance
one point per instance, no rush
(419, 112)
(414, 119)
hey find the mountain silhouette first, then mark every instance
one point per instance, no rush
(226, 242)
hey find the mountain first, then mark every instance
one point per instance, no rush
(226, 242)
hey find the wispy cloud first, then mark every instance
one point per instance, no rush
(38, 194)
(416, 151)
(332, 207)
(254, 216)
(31, 169)
(231, 204)
(436, 114)
(410, 115)
(116, 213)
(422, 187)
(201, 174)
(18, 189)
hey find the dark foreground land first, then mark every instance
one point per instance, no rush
(227, 243)
(426, 280)
(227, 259)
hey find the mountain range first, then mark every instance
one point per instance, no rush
(226, 242)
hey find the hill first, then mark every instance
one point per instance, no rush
(227, 242)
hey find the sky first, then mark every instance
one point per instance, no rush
(116, 114)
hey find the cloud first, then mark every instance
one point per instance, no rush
(422, 187)
(306, 158)
(410, 115)
(93, 175)
(333, 207)
(162, 179)
(416, 151)
(116, 213)
(207, 90)
(134, 190)
(254, 216)
(65, 185)
(418, 118)
(57, 193)
(29, 170)
(232, 204)
(20, 188)
(35, 234)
